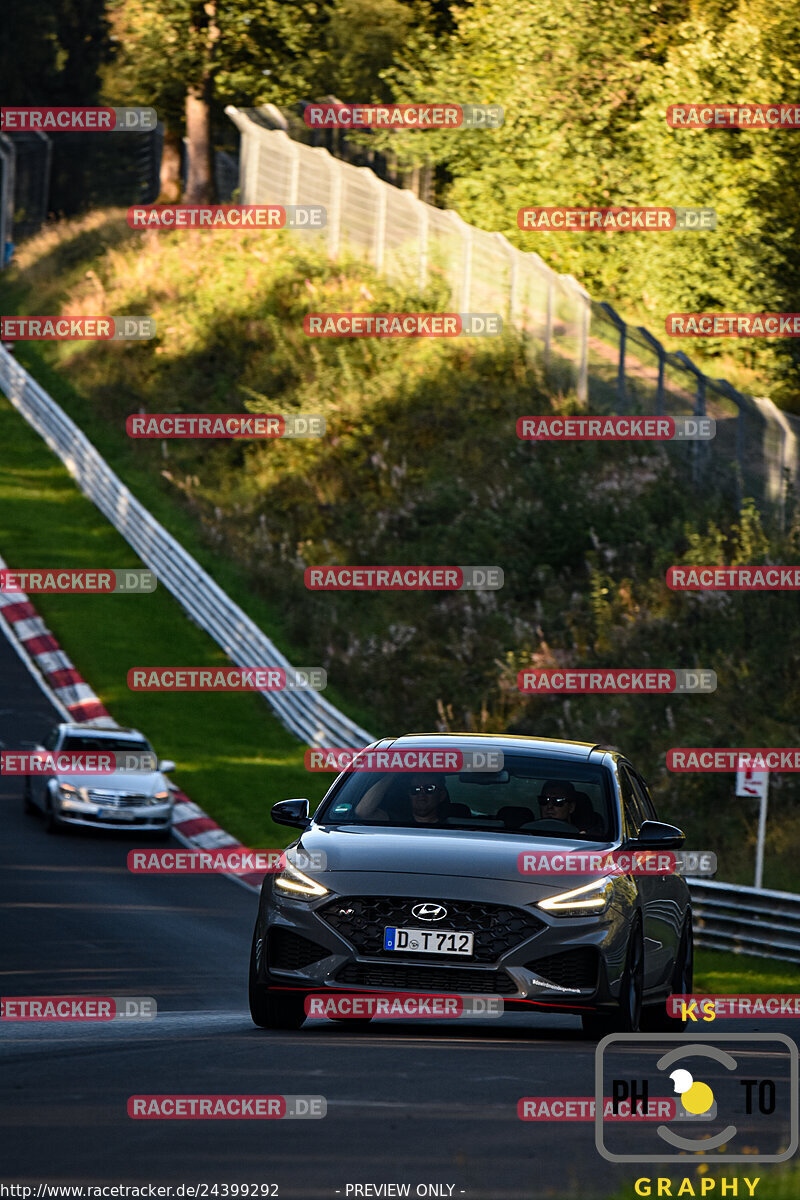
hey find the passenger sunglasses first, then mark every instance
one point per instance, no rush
(557, 800)
(427, 790)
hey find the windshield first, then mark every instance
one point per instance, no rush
(86, 742)
(531, 796)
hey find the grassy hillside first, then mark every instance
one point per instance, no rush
(422, 465)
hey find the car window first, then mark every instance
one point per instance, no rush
(634, 815)
(85, 743)
(510, 803)
(644, 796)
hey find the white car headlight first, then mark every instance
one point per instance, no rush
(591, 899)
(294, 883)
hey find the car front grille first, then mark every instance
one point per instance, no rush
(402, 977)
(361, 920)
(117, 799)
(288, 951)
(571, 968)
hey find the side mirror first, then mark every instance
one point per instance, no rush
(656, 835)
(166, 765)
(291, 812)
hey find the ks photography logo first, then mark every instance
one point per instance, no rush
(735, 1093)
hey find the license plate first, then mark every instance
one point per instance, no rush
(119, 814)
(428, 941)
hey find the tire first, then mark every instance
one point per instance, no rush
(629, 1012)
(27, 802)
(268, 1008)
(51, 822)
(655, 1019)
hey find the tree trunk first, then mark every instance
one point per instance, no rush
(199, 187)
(199, 167)
(170, 177)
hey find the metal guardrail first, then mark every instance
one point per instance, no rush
(746, 920)
(305, 713)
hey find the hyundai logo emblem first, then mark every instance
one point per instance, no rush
(429, 912)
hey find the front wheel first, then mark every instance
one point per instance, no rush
(51, 821)
(628, 1016)
(657, 1019)
(271, 1009)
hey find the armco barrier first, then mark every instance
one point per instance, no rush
(746, 920)
(306, 714)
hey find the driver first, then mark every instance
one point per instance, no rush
(558, 801)
(427, 795)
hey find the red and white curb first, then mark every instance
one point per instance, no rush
(74, 699)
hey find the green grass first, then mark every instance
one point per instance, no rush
(234, 758)
(722, 973)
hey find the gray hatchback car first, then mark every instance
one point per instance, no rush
(422, 891)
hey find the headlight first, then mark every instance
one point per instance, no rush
(68, 791)
(592, 898)
(159, 798)
(295, 883)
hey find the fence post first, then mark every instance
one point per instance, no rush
(698, 457)
(513, 276)
(335, 213)
(622, 330)
(656, 346)
(294, 172)
(380, 226)
(423, 243)
(466, 277)
(548, 327)
(584, 303)
(8, 156)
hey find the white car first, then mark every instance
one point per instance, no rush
(125, 799)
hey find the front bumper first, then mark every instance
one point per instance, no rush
(92, 815)
(523, 954)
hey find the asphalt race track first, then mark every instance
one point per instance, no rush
(417, 1103)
